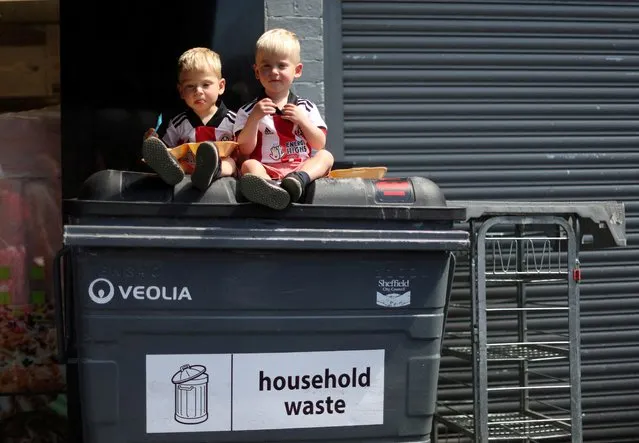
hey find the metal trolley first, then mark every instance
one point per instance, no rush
(523, 267)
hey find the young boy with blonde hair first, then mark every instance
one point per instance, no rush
(200, 84)
(278, 130)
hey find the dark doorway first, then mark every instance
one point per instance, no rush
(118, 72)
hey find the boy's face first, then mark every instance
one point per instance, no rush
(200, 90)
(276, 72)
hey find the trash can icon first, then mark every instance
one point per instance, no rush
(191, 394)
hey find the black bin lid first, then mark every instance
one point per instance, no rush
(111, 193)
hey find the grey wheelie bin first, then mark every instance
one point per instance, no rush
(201, 318)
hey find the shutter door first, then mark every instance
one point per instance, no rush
(527, 100)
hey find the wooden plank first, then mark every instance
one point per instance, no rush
(23, 71)
(29, 11)
(29, 60)
(20, 34)
(29, 48)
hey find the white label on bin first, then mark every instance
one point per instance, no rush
(308, 389)
(393, 293)
(242, 392)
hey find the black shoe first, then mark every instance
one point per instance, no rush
(294, 185)
(265, 192)
(157, 156)
(207, 166)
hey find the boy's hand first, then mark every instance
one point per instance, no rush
(150, 133)
(247, 138)
(293, 113)
(262, 108)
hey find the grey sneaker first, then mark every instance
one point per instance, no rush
(292, 183)
(207, 166)
(161, 161)
(264, 192)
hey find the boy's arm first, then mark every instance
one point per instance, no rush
(247, 138)
(309, 120)
(248, 124)
(315, 136)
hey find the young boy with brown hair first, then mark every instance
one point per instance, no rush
(200, 84)
(278, 130)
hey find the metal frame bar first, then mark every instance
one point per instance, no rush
(333, 82)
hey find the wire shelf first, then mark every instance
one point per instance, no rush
(541, 259)
(512, 352)
(513, 426)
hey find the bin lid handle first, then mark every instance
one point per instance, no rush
(198, 370)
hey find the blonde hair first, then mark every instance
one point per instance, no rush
(279, 42)
(200, 59)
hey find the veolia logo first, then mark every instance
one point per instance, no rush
(102, 291)
(98, 293)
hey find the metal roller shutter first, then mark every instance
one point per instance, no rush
(527, 100)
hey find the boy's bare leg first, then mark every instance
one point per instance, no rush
(315, 167)
(318, 165)
(227, 167)
(258, 187)
(254, 167)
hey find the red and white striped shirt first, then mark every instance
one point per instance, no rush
(187, 127)
(280, 140)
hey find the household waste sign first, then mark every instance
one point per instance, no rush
(243, 392)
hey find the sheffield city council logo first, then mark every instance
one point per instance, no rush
(101, 291)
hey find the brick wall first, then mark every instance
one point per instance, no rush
(305, 18)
